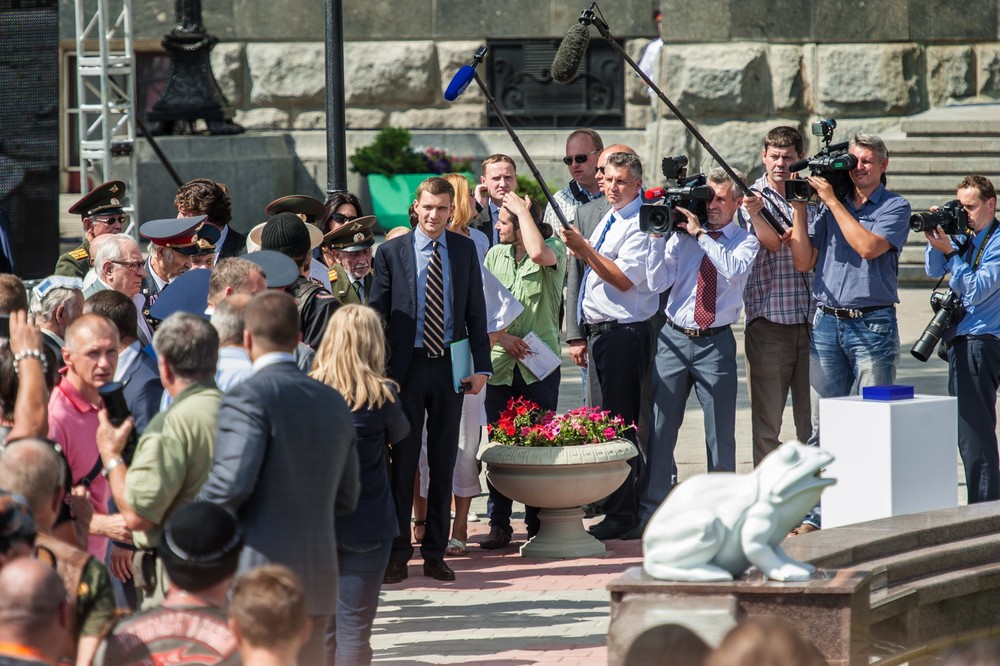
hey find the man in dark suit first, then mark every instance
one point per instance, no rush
(498, 176)
(428, 288)
(202, 196)
(286, 462)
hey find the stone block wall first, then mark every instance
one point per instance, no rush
(736, 68)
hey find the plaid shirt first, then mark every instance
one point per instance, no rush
(775, 290)
(567, 204)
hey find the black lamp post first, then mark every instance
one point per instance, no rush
(191, 93)
(336, 135)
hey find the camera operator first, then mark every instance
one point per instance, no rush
(854, 246)
(706, 269)
(974, 351)
(779, 305)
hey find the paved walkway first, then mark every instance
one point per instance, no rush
(504, 610)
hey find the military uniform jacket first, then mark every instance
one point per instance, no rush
(74, 263)
(316, 305)
(342, 288)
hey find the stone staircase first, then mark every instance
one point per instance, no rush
(929, 154)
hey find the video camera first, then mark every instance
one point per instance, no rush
(952, 218)
(690, 193)
(832, 162)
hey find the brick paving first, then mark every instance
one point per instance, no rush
(505, 610)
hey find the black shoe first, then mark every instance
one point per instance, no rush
(610, 528)
(438, 570)
(498, 538)
(634, 533)
(395, 572)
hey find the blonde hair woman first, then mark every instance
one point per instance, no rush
(352, 359)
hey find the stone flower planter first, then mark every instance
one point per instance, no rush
(559, 480)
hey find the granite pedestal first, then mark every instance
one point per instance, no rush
(832, 610)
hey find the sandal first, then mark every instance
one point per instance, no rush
(456, 548)
(418, 536)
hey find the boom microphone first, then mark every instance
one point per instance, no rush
(460, 82)
(570, 54)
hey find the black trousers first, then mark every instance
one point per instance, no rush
(621, 357)
(973, 378)
(427, 390)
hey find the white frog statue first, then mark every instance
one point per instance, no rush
(714, 526)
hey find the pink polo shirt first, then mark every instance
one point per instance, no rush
(73, 423)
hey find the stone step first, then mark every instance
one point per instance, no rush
(964, 120)
(913, 275)
(900, 145)
(923, 183)
(940, 165)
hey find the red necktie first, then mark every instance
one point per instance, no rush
(704, 299)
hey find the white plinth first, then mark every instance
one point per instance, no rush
(893, 457)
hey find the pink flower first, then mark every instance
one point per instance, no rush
(609, 432)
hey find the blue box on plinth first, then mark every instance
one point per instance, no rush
(890, 392)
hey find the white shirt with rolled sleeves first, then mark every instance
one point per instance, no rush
(628, 248)
(675, 262)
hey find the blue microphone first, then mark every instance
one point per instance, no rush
(460, 82)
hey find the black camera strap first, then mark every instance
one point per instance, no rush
(982, 246)
(578, 192)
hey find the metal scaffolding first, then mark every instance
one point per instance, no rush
(105, 79)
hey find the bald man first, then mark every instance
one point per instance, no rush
(33, 613)
(91, 355)
(32, 469)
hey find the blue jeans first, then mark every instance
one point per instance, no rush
(847, 354)
(348, 634)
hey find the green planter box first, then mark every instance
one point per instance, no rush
(391, 197)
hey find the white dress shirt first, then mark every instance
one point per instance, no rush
(675, 263)
(628, 248)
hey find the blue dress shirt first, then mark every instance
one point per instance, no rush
(422, 250)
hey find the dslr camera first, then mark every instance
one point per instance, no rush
(952, 218)
(832, 162)
(691, 193)
(948, 310)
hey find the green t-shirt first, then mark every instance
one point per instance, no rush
(539, 289)
(173, 458)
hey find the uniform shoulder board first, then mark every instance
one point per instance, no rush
(79, 254)
(333, 275)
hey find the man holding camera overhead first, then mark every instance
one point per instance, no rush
(705, 267)
(853, 244)
(974, 351)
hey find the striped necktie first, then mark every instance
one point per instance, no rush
(434, 305)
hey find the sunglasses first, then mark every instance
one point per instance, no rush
(579, 159)
(340, 217)
(111, 221)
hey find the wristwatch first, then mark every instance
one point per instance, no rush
(698, 234)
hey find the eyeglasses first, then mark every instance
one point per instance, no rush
(131, 265)
(111, 221)
(579, 159)
(600, 170)
(339, 217)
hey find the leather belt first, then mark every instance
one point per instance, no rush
(591, 330)
(959, 339)
(421, 351)
(698, 332)
(847, 313)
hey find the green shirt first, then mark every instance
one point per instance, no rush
(172, 458)
(539, 289)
